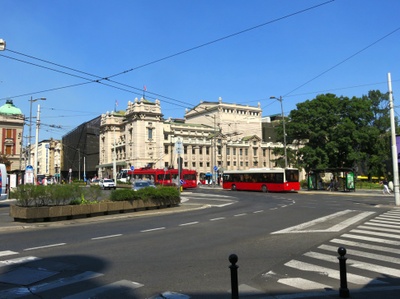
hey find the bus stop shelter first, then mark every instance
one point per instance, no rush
(331, 179)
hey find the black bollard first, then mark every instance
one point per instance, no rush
(343, 291)
(234, 276)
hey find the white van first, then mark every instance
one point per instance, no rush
(3, 182)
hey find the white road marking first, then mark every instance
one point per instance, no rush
(239, 215)
(19, 260)
(389, 230)
(302, 228)
(106, 237)
(216, 219)
(360, 231)
(378, 257)
(35, 289)
(362, 245)
(371, 239)
(45, 246)
(259, 211)
(152, 229)
(93, 293)
(189, 223)
(335, 274)
(302, 284)
(7, 252)
(382, 225)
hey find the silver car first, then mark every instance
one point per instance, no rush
(107, 184)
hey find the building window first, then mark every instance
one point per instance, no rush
(166, 149)
(208, 164)
(228, 151)
(201, 164)
(194, 164)
(150, 133)
(228, 163)
(185, 149)
(200, 150)
(240, 152)
(193, 150)
(247, 164)
(165, 136)
(234, 151)
(254, 152)
(246, 152)
(264, 151)
(166, 164)
(241, 163)
(219, 150)
(207, 150)
(234, 163)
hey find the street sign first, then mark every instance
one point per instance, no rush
(215, 168)
(179, 147)
(182, 182)
(132, 168)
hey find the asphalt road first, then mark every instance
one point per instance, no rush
(183, 251)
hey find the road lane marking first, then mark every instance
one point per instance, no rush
(259, 211)
(20, 260)
(239, 215)
(342, 242)
(152, 229)
(106, 237)
(304, 227)
(189, 223)
(7, 252)
(335, 274)
(45, 246)
(216, 219)
(303, 284)
(42, 287)
(97, 292)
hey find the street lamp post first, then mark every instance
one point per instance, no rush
(37, 142)
(30, 126)
(214, 148)
(2, 44)
(284, 130)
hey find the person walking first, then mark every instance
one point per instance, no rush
(385, 186)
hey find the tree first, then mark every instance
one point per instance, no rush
(4, 160)
(341, 132)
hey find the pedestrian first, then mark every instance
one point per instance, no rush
(385, 186)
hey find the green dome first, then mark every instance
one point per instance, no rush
(10, 109)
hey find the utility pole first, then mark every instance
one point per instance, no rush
(394, 145)
(284, 129)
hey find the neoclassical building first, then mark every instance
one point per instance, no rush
(215, 135)
(11, 134)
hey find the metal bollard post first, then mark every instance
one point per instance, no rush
(343, 291)
(234, 276)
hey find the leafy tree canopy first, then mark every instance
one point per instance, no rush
(342, 132)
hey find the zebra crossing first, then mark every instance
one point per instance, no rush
(31, 277)
(373, 260)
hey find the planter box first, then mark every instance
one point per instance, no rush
(54, 213)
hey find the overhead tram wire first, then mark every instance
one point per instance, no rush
(99, 80)
(166, 57)
(343, 61)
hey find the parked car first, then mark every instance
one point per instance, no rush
(137, 185)
(94, 182)
(107, 184)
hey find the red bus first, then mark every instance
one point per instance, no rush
(167, 177)
(262, 179)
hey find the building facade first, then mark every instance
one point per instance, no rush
(216, 136)
(11, 135)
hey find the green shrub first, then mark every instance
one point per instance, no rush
(124, 194)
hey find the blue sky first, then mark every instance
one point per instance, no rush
(295, 49)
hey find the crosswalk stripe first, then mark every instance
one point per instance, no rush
(93, 293)
(19, 260)
(342, 242)
(302, 284)
(395, 220)
(335, 274)
(374, 268)
(35, 289)
(383, 221)
(7, 252)
(378, 257)
(372, 239)
(389, 230)
(360, 231)
(382, 225)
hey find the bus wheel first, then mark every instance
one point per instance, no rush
(233, 188)
(264, 188)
